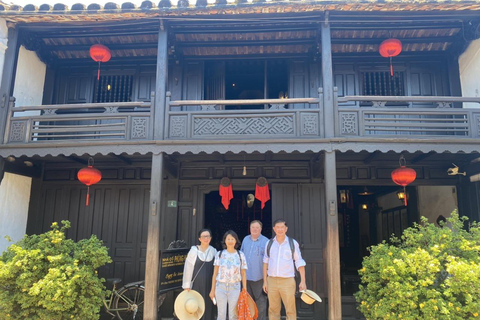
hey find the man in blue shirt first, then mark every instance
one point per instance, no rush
(253, 246)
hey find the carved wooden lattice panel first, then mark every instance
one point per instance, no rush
(139, 128)
(17, 131)
(178, 127)
(310, 124)
(262, 125)
(348, 123)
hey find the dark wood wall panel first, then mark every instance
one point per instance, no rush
(117, 214)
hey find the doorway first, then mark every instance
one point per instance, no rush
(237, 217)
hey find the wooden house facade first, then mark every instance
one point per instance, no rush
(292, 91)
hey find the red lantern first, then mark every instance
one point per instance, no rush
(100, 53)
(390, 48)
(403, 176)
(89, 176)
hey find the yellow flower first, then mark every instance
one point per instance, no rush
(421, 305)
(475, 314)
(390, 254)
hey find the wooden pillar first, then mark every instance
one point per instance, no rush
(2, 169)
(161, 83)
(327, 79)
(333, 245)
(153, 239)
(8, 76)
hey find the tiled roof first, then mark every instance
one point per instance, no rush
(127, 10)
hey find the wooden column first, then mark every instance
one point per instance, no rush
(333, 245)
(327, 78)
(161, 83)
(153, 239)
(8, 76)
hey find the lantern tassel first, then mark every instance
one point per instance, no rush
(88, 196)
(98, 72)
(391, 67)
(405, 192)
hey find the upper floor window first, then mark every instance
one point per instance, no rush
(381, 83)
(113, 88)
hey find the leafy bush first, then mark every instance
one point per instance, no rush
(47, 276)
(430, 273)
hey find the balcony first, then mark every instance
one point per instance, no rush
(49, 123)
(204, 120)
(439, 119)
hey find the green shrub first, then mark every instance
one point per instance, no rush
(50, 277)
(430, 273)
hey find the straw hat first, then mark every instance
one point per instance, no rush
(189, 305)
(309, 297)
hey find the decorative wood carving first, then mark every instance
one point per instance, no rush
(264, 125)
(210, 107)
(444, 105)
(139, 128)
(349, 123)
(178, 127)
(277, 106)
(310, 124)
(17, 131)
(379, 104)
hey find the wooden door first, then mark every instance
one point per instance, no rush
(117, 214)
(302, 206)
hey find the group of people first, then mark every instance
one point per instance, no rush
(258, 265)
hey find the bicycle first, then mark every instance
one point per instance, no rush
(127, 302)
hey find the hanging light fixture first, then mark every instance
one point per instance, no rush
(365, 192)
(390, 48)
(403, 176)
(365, 206)
(89, 176)
(401, 195)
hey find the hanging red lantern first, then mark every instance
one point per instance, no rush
(100, 53)
(403, 176)
(89, 176)
(390, 48)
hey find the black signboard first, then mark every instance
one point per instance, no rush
(171, 269)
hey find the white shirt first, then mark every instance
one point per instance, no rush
(280, 263)
(194, 252)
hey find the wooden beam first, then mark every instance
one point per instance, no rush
(422, 157)
(371, 157)
(161, 84)
(333, 244)
(153, 239)
(75, 159)
(121, 158)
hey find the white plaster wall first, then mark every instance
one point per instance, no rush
(14, 201)
(469, 65)
(29, 81)
(3, 43)
(436, 200)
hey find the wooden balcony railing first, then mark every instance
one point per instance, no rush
(119, 120)
(276, 118)
(380, 119)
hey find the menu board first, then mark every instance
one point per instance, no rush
(171, 269)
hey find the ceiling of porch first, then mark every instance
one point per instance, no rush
(215, 37)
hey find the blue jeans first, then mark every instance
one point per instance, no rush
(227, 296)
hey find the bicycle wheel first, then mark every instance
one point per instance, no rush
(129, 303)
